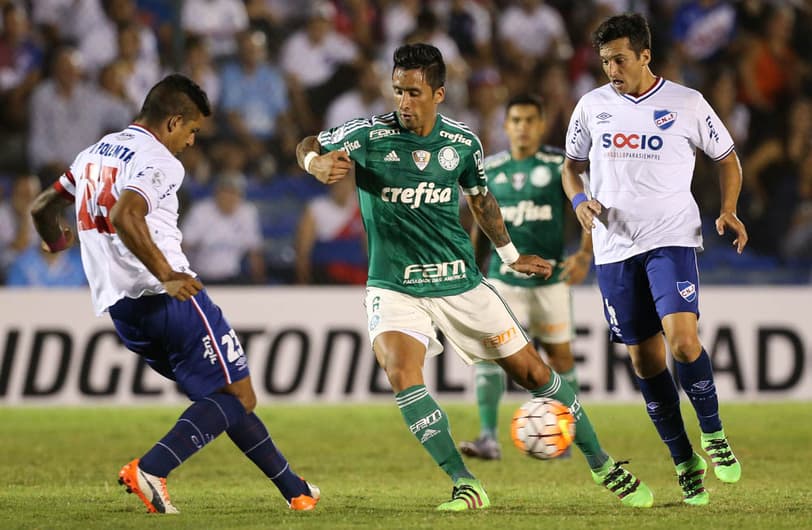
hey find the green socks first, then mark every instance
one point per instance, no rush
(490, 385)
(585, 437)
(429, 424)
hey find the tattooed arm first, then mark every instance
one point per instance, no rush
(489, 218)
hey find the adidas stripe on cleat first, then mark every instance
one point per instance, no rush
(629, 489)
(468, 494)
(725, 465)
(304, 503)
(691, 477)
(149, 488)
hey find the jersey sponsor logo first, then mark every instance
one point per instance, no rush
(448, 157)
(647, 142)
(664, 119)
(429, 420)
(712, 134)
(208, 350)
(494, 341)
(421, 158)
(456, 137)
(392, 156)
(349, 147)
(576, 131)
(424, 193)
(687, 291)
(124, 136)
(540, 176)
(418, 273)
(526, 210)
(377, 134)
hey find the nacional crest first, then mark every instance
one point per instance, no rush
(448, 157)
(664, 119)
(421, 159)
(518, 180)
(687, 291)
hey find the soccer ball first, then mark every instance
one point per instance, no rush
(543, 428)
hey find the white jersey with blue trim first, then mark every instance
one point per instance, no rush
(131, 159)
(641, 152)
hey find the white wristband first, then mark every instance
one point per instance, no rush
(508, 253)
(308, 159)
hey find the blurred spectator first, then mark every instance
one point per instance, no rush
(111, 81)
(63, 21)
(318, 60)
(38, 268)
(721, 92)
(222, 233)
(20, 65)
(197, 64)
(330, 244)
(255, 100)
(531, 32)
(798, 241)
(703, 29)
(359, 21)
(140, 73)
(399, 20)
(365, 101)
(17, 232)
(218, 21)
(67, 114)
(485, 114)
(99, 44)
(469, 25)
(558, 100)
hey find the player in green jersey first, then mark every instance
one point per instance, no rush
(526, 180)
(409, 166)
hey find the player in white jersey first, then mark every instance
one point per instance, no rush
(633, 143)
(124, 188)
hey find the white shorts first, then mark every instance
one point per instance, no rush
(544, 311)
(478, 323)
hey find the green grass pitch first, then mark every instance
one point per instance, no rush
(58, 470)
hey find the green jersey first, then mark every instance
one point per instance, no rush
(408, 192)
(532, 199)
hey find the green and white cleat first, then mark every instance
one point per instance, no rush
(630, 490)
(691, 476)
(725, 465)
(468, 494)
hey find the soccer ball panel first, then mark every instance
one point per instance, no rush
(543, 428)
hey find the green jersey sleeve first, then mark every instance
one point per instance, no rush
(351, 136)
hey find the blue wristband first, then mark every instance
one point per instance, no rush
(578, 199)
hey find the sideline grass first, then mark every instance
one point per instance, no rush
(58, 470)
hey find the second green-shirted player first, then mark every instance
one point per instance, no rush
(409, 167)
(526, 180)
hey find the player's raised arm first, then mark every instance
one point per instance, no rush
(730, 184)
(489, 218)
(129, 219)
(46, 210)
(327, 168)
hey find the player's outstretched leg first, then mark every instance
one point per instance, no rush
(199, 424)
(696, 379)
(253, 439)
(429, 424)
(629, 489)
(691, 477)
(490, 385)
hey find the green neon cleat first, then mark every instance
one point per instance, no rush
(691, 476)
(630, 490)
(725, 465)
(468, 494)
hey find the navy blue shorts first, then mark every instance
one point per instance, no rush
(640, 291)
(188, 342)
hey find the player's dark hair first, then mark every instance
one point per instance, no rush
(174, 94)
(526, 99)
(423, 57)
(631, 25)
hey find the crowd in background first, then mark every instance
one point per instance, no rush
(277, 70)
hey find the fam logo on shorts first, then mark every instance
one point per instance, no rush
(687, 291)
(449, 158)
(494, 341)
